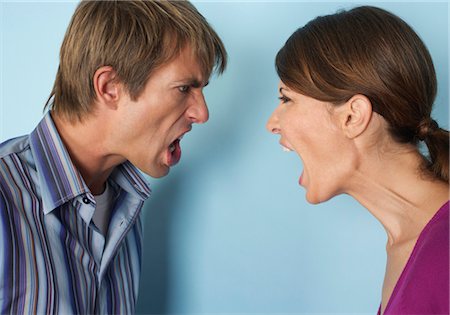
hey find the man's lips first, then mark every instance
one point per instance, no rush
(182, 134)
(174, 149)
(174, 153)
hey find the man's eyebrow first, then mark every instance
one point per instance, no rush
(193, 82)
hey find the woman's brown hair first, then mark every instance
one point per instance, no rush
(370, 51)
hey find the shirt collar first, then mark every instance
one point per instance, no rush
(59, 179)
(128, 177)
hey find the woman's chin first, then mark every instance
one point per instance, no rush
(311, 193)
(315, 197)
(311, 197)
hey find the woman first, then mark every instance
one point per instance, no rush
(356, 92)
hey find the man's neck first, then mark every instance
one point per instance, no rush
(85, 143)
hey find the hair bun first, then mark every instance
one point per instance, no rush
(426, 127)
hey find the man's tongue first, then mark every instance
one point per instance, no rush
(174, 153)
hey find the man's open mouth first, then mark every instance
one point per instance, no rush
(174, 151)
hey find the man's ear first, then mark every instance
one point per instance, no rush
(107, 86)
(356, 115)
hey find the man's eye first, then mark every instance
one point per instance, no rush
(284, 99)
(183, 88)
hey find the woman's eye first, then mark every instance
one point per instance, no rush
(183, 88)
(284, 99)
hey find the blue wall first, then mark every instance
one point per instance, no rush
(229, 230)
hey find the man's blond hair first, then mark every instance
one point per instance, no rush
(134, 38)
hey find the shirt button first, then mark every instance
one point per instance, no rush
(86, 200)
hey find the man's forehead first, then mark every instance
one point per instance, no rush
(181, 69)
(189, 65)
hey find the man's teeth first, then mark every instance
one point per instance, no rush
(286, 149)
(171, 148)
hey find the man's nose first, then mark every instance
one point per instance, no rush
(198, 111)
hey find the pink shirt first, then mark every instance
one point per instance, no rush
(423, 286)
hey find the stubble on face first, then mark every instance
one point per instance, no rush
(150, 128)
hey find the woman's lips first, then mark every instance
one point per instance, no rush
(286, 147)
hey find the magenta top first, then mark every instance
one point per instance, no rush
(423, 286)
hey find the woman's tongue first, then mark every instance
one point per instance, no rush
(174, 153)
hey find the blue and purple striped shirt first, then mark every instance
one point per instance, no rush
(52, 257)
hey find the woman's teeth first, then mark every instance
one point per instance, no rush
(171, 148)
(286, 149)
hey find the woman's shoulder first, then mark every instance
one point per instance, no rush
(429, 269)
(432, 248)
(424, 286)
(434, 239)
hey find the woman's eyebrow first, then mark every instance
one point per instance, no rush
(281, 90)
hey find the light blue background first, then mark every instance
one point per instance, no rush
(229, 230)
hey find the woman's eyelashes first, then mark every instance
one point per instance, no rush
(284, 99)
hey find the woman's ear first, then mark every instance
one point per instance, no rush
(356, 115)
(107, 87)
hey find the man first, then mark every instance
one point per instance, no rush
(128, 87)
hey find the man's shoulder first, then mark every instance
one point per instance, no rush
(13, 151)
(14, 146)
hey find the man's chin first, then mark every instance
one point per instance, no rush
(156, 173)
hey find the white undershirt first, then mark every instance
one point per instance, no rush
(102, 213)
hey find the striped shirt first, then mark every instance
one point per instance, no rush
(52, 257)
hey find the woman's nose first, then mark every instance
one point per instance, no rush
(272, 124)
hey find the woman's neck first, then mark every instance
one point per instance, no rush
(395, 191)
